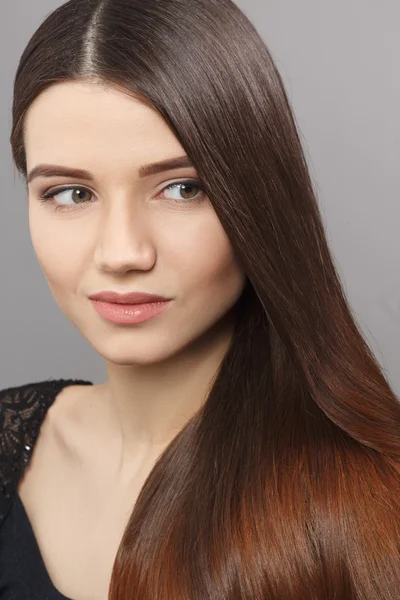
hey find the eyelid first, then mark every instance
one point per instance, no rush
(50, 195)
(56, 189)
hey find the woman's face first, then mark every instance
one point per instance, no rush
(121, 231)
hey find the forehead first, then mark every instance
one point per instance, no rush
(72, 121)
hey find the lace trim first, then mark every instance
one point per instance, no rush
(22, 412)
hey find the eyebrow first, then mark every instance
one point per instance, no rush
(45, 170)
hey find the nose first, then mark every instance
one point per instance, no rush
(124, 241)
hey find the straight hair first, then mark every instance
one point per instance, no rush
(285, 485)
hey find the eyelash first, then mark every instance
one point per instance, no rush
(48, 197)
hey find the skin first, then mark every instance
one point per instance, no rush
(98, 444)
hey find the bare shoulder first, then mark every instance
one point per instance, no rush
(60, 439)
(70, 417)
(28, 411)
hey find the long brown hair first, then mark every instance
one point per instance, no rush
(286, 484)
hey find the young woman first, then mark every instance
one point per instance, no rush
(246, 443)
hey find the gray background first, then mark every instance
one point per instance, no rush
(340, 62)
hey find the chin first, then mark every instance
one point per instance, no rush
(130, 353)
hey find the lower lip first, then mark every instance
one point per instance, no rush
(129, 313)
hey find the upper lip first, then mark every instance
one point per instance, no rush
(127, 298)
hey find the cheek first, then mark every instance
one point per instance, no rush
(210, 266)
(56, 250)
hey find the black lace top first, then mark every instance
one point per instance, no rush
(23, 575)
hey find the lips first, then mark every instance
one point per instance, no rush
(127, 298)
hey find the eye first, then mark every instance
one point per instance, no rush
(79, 196)
(186, 188)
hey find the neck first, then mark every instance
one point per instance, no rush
(147, 405)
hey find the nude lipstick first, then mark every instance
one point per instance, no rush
(128, 308)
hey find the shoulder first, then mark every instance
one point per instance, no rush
(27, 397)
(20, 407)
(23, 409)
(14, 399)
